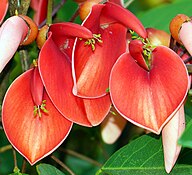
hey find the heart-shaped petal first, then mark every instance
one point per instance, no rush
(149, 98)
(12, 33)
(3, 9)
(170, 135)
(59, 85)
(33, 136)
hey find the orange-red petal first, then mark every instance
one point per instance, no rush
(149, 98)
(59, 83)
(32, 136)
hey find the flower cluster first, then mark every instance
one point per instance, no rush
(84, 70)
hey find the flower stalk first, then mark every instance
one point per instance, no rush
(49, 12)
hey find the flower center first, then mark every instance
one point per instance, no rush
(147, 48)
(39, 109)
(147, 52)
(96, 38)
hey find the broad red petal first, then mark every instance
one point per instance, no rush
(33, 136)
(3, 9)
(12, 33)
(91, 69)
(149, 99)
(59, 83)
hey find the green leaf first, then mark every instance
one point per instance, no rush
(161, 16)
(46, 169)
(143, 156)
(186, 138)
(188, 109)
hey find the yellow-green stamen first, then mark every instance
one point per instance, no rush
(40, 108)
(92, 41)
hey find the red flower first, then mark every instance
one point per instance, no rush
(93, 59)
(148, 93)
(31, 122)
(55, 69)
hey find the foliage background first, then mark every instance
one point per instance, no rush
(87, 141)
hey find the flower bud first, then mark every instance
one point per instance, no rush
(176, 24)
(42, 36)
(33, 30)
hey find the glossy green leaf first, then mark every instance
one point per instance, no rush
(143, 156)
(161, 16)
(46, 169)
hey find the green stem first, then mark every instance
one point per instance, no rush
(15, 158)
(25, 60)
(62, 165)
(55, 10)
(5, 148)
(80, 156)
(49, 12)
(74, 15)
(24, 166)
